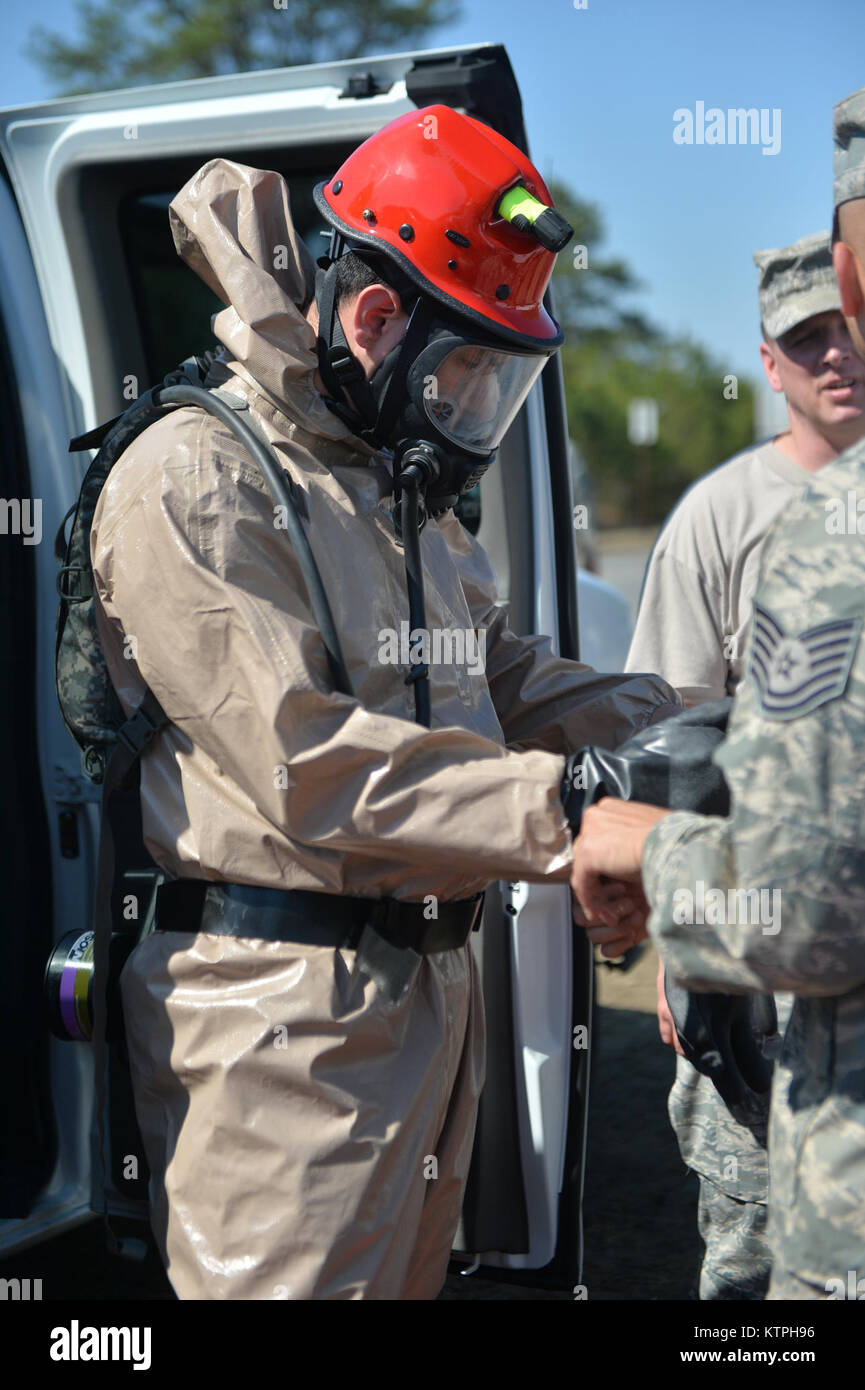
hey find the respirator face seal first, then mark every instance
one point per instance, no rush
(460, 394)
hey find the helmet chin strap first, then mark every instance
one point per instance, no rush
(373, 405)
(372, 414)
(340, 370)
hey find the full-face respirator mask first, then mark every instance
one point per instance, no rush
(446, 394)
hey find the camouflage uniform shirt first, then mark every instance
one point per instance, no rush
(794, 759)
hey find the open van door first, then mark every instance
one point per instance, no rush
(111, 309)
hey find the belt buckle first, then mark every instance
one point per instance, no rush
(474, 922)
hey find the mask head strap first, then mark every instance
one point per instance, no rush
(393, 396)
(339, 367)
(375, 405)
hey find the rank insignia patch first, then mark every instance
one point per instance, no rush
(796, 673)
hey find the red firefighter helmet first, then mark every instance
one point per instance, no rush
(426, 190)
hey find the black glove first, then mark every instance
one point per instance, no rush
(670, 764)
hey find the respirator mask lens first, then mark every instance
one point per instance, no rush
(474, 393)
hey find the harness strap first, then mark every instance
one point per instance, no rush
(339, 367)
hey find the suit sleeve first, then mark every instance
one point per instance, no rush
(542, 700)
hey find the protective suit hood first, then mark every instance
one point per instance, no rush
(232, 225)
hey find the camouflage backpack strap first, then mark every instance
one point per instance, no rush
(90, 707)
(111, 745)
(89, 704)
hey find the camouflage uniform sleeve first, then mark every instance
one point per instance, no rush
(773, 898)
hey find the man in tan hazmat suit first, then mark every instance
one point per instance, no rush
(288, 1103)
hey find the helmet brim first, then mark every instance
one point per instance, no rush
(536, 332)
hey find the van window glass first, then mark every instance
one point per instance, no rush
(173, 305)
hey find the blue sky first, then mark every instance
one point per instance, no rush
(600, 86)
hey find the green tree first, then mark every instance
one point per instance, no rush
(700, 423)
(123, 44)
(612, 355)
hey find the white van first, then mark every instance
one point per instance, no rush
(94, 307)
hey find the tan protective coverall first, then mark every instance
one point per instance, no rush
(288, 1112)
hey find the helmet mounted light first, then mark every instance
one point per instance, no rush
(461, 224)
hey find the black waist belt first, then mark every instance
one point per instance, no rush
(314, 919)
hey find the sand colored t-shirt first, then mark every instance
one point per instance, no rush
(695, 608)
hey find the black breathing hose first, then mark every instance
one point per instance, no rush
(275, 478)
(417, 466)
(418, 676)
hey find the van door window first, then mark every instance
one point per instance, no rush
(173, 305)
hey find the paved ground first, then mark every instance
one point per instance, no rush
(640, 1205)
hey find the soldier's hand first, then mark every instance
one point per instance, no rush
(606, 878)
(631, 911)
(665, 1019)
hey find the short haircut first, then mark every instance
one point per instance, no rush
(357, 270)
(354, 274)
